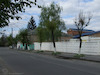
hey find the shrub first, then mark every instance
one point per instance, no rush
(79, 55)
(53, 53)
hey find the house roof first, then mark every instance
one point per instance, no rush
(65, 35)
(83, 30)
(86, 34)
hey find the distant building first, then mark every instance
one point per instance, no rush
(65, 37)
(32, 36)
(74, 32)
(90, 34)
(95, 34)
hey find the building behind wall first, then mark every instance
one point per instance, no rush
(74, 32)
(65, 37)
(91, 36)
(32, 36)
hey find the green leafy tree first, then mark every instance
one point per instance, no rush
(9, 9)
(31, 24)
(3, 40)
(22, 36)
(50, 19)
(31, 28)
(10, 40)
(81, 22)
(41, 35)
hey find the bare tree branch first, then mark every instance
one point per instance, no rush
(81, 22)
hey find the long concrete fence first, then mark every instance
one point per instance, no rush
(91, 48)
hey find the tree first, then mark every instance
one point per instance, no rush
(50, 19)
(10, 40)
(22, 36)
(3, 40)
(9, 9)
(31, 28)
(81, 22)
(31, 24)
(41, 35)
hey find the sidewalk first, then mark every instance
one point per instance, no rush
(93, 58)
(63, 55)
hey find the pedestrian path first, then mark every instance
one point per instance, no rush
(95, 58)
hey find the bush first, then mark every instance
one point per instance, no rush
(79, 55)
(53, 53)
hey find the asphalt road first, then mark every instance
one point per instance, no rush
(34, 64)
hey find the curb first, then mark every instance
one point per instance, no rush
(82, 58)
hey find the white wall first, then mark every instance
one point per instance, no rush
(91, 48)
(18, 44)
(89, 38)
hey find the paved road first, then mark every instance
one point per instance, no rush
(35, 64)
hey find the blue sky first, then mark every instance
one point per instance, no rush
(71, 8)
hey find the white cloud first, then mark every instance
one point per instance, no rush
(70, 8)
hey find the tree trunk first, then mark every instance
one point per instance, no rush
(23, 46)
(26, 46)
(40, 45)
(53, 40)
(80, 45)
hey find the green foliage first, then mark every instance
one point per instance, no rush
(22, 36)
(31, 24)
(41, 34)
(31, 27)
(50, 17)
(9, 9)
(10, 40)
(56, 53)
(3, 40)
(51, 20)
(79, 55)
(14, 40)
